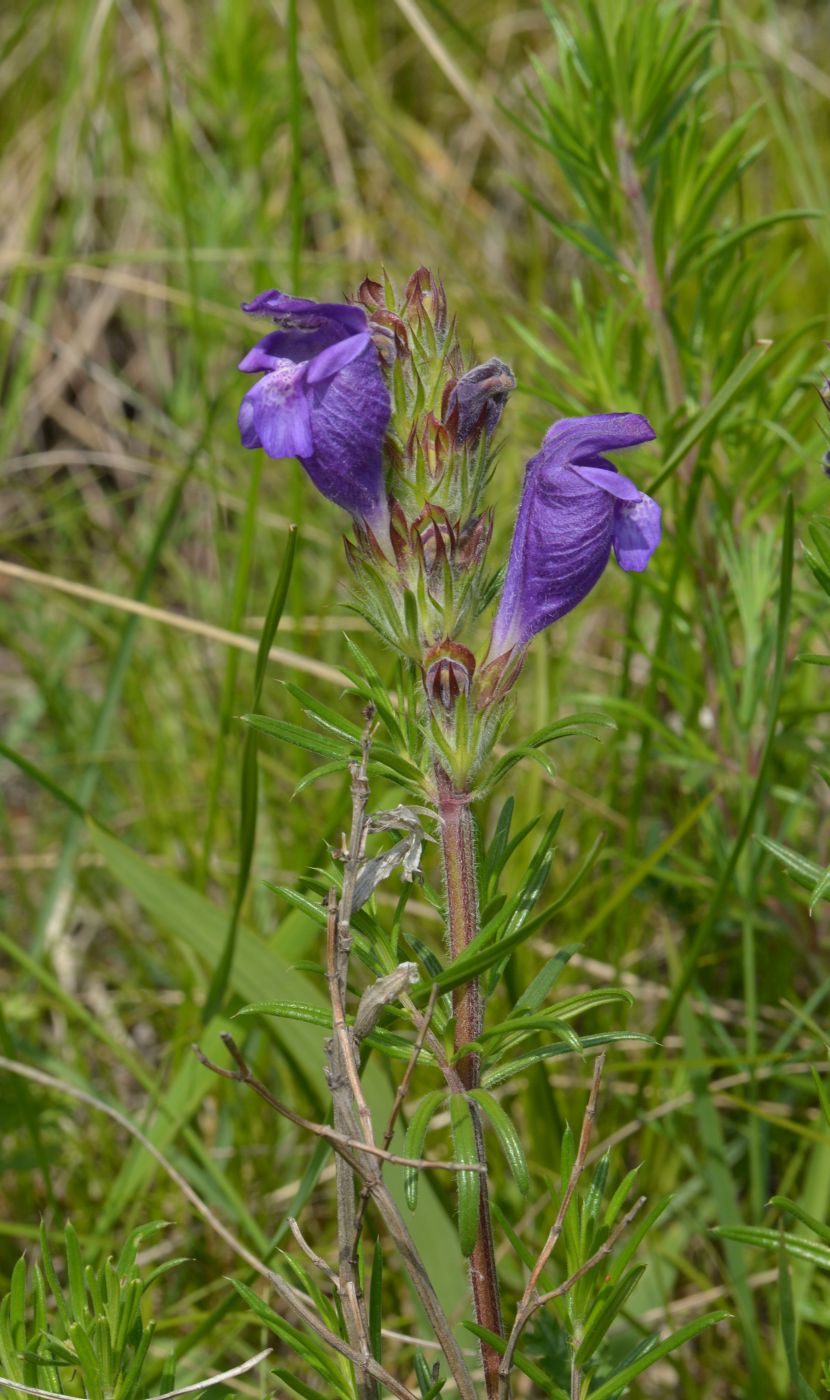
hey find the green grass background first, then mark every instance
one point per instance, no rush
(162, 163)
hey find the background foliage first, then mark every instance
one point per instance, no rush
(607, 192)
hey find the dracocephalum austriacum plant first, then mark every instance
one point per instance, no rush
(375, 400)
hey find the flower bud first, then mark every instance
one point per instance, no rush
(390, 335)
(476, 402)
(474, 540)
(434, 537)
(425, 301)
(370, 293)
(430, 440)
(449, 673)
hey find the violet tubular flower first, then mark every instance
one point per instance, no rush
(575, 506)
(322, 398)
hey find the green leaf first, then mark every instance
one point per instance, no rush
(435, 1389)
(75, 1274)
(468, 1184)
(709, 417)
(162, 1269)
(52, 1278)
(89, 1363)
(730, 240)
(328, 746)
(17, 1297)
(575, 883)
(620, 1196)
(495, 855)
(626, 1374)
(396, 1046)
(609, 1305)
(129, 1249)
(793, 1208)
(491, 1078)
(805, 872)
(509, 1034)
(132, 1377)
(415, 1138)
(803, 1391)
(764, 1238)
(513, 1033)
(289, 1011)
(823, 1099)
(296, 1386)
(276, 607)
(705, 929)
(523, 1363)
(303, 1343)
(544, 981)
(249, 788)
(9, 1349)
(821, 891)
(507, 1135)
(593, 1199)
(372, 687)
(325, 715)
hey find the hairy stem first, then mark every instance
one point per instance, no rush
(458, 852)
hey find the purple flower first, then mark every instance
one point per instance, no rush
(574, 506)
(322, 399)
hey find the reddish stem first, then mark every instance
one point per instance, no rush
(458, 851)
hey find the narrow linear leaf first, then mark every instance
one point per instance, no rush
(468, 1184)
(415, 1138)
(249, 787)
(763, 1238)
(706, 927)
(327, 745)
(626, 1374)
(507, 1135)
(521, 1362)
(803, 1391)
(709, 417)
(610, 1304)
(493, 1077)
(793, 1208)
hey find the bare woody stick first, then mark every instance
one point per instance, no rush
(400, 1095)
(596, 1258)
(343, 1074)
